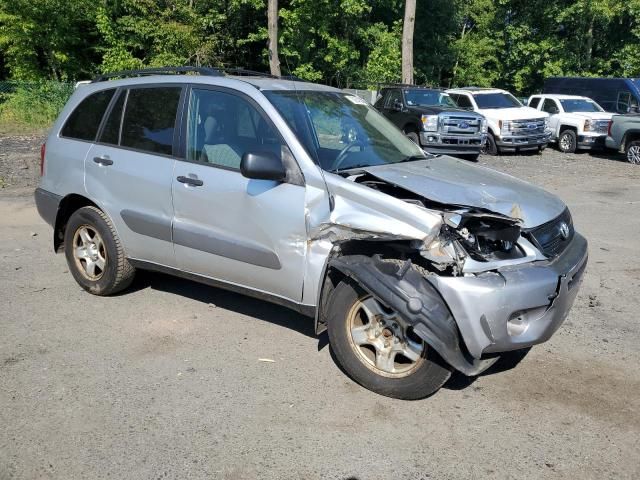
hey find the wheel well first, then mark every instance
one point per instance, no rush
(389, 249)
(568, 127)
(631, 137)
(68, 205)
(411, 127)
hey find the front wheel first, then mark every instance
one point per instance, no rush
(490, 147)
(568, 141)
(373, 348)
(94, 253)
(414, 137)
(633, 152)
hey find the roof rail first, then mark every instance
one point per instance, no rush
(159, 71)
(211, 71)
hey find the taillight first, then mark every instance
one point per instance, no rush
(43, 149)
(609, 129)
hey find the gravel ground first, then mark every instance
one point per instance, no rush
(164, 381)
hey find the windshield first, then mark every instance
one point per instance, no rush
(496, 100)
(428, 98)
(580, 105)
(342, 131)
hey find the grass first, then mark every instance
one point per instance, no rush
(32, 108)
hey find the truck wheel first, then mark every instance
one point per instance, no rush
(633, 152)
(374, 350)
(490, 147)
(413, 136)
(568, 141)
(472, 157)
(94, 253)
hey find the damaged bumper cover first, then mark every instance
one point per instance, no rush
(507, 309)
(515, 307)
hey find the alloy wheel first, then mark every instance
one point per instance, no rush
(380, 342)
(566, 142)
(633, 154)
(89, 252)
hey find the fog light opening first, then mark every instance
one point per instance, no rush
(517, 325)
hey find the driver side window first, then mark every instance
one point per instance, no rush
(394, 97)
(550, 106)
(222, 127)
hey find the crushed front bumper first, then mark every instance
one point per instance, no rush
(515, 307)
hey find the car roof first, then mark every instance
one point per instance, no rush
(477, 90)
(561, 97)
(257, 81)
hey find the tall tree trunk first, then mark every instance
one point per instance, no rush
(589, 44)
(272, 26)
(407, 41)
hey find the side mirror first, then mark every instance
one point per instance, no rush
(397, 105)
(262, 166)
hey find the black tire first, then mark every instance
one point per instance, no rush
(632, 151)
(567, 141)
(117, 273)
(490, 147)
(471, 157)
(414, 137)
(427, 377)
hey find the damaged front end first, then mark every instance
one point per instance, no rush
(473, 282)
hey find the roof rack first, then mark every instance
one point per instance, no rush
(475, 89)
(211, 71)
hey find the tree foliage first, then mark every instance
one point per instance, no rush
(507, 43)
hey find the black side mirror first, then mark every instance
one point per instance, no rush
(397, 105)
(262, 166)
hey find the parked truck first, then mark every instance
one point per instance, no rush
(624, 136)
(575, 122)
(511, 126)
(430, 118)
(617, 95)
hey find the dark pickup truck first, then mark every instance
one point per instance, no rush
(429, 117)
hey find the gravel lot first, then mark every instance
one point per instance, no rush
(164, 381)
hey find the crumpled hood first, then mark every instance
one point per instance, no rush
(459, 183)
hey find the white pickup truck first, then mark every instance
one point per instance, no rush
(575, 122)
(512, 126)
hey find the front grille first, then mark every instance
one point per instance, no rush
(549, 237)
(533, 126)
(451, 124)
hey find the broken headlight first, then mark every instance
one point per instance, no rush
(489, 238)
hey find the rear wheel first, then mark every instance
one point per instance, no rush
(94, 253)
(633, 152)
(373, 348)
(490, 147)
(568, 141)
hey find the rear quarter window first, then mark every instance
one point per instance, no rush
(84, 121)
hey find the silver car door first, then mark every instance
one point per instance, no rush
(129, 170)
(246, 232)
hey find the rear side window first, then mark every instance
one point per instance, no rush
(534, 102)
(150, 118)
(111, 131)
(83, 123)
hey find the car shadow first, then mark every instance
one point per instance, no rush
(259, 309)
(507, 361)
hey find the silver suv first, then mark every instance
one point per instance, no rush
(306, 196)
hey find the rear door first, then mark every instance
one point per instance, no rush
(128, 172)
(227, 227)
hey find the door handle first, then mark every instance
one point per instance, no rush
(194, 182)
(104, 161)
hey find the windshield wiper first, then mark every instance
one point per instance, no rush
(415, 158)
